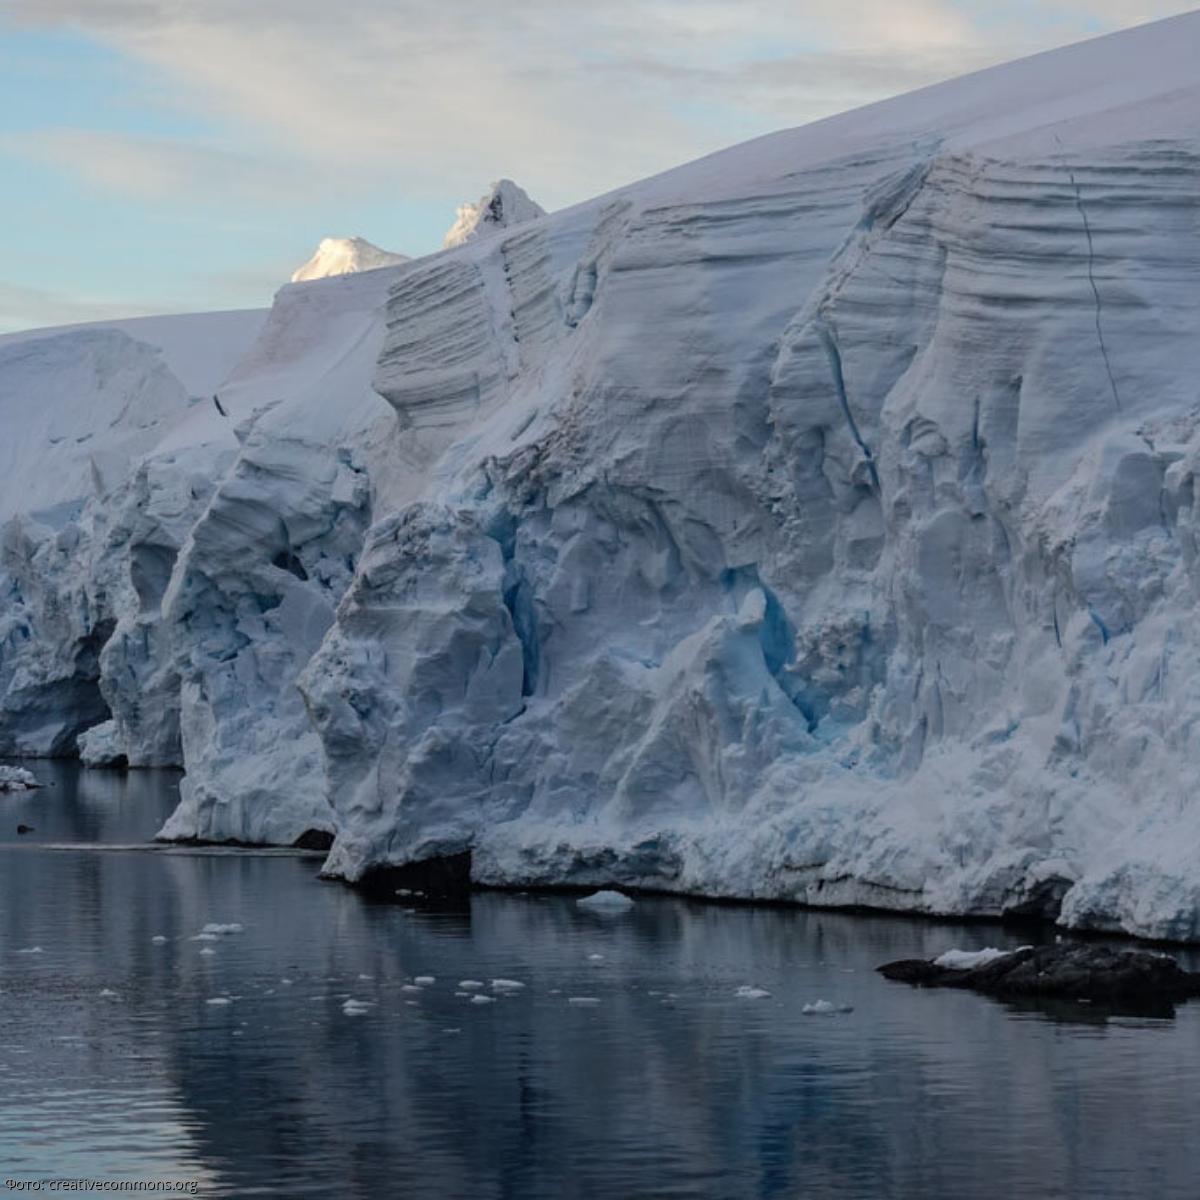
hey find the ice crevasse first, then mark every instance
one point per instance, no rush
(813, 521)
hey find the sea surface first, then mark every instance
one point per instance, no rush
(116, 1064)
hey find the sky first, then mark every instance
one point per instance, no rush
(186, 155)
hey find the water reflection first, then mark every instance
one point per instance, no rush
(670, 1086)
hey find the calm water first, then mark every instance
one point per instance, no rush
(670, 1086)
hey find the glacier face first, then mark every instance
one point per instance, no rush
(815, 521)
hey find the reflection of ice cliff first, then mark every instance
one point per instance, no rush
(812, 521)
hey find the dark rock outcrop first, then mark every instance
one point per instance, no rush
(1121, 979)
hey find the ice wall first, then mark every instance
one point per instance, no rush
(815, 521)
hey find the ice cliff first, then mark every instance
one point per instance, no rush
(814, 521)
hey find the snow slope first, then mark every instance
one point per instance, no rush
(199, 349)
(813, 521)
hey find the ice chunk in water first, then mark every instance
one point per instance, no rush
(606, 901)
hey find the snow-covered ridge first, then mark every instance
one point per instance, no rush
(814, 521)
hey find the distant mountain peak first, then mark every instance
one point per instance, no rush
(345, 256)
(502, 205)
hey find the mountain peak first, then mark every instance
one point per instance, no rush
(502, 205)
(345, 256)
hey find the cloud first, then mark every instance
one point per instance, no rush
(438, 95)
(161, 168)
(569, 97)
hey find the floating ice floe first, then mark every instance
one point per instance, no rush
(595, 958)
(507, 985)
(966, 960)
(606, 901)
(355, 1008)
(31, 950)
(424, 980)
(158, 939)
(746, 992)
(583, 1000)
(217, 930)
(207, 951)
(219, 1001)
(825, 1008)
(479, 998)
(17, 779)
(468, 985)
(409, 987)
(109, 994)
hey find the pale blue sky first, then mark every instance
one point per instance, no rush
(173, 155)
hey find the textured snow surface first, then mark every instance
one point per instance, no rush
(504, 204)
(814, 521)
(344, 256)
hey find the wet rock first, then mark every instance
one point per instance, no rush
(1080, 972)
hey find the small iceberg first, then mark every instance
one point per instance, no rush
(207, 951)
(17, 779)
(746, 992)
(470, 985)
(31, 950)
(355, 1008)
(409, 987)
(606, 901)
(507, 985)
(825, 1008)
(109, 994)
(215, 930)
(424, 980)
(159, 940)
(219, 1001)
(479, 998)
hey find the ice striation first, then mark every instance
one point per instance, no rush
(816, 521)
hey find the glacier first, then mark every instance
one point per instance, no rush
(813, 522)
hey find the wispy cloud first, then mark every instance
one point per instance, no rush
(418, 92)
(270, 112)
